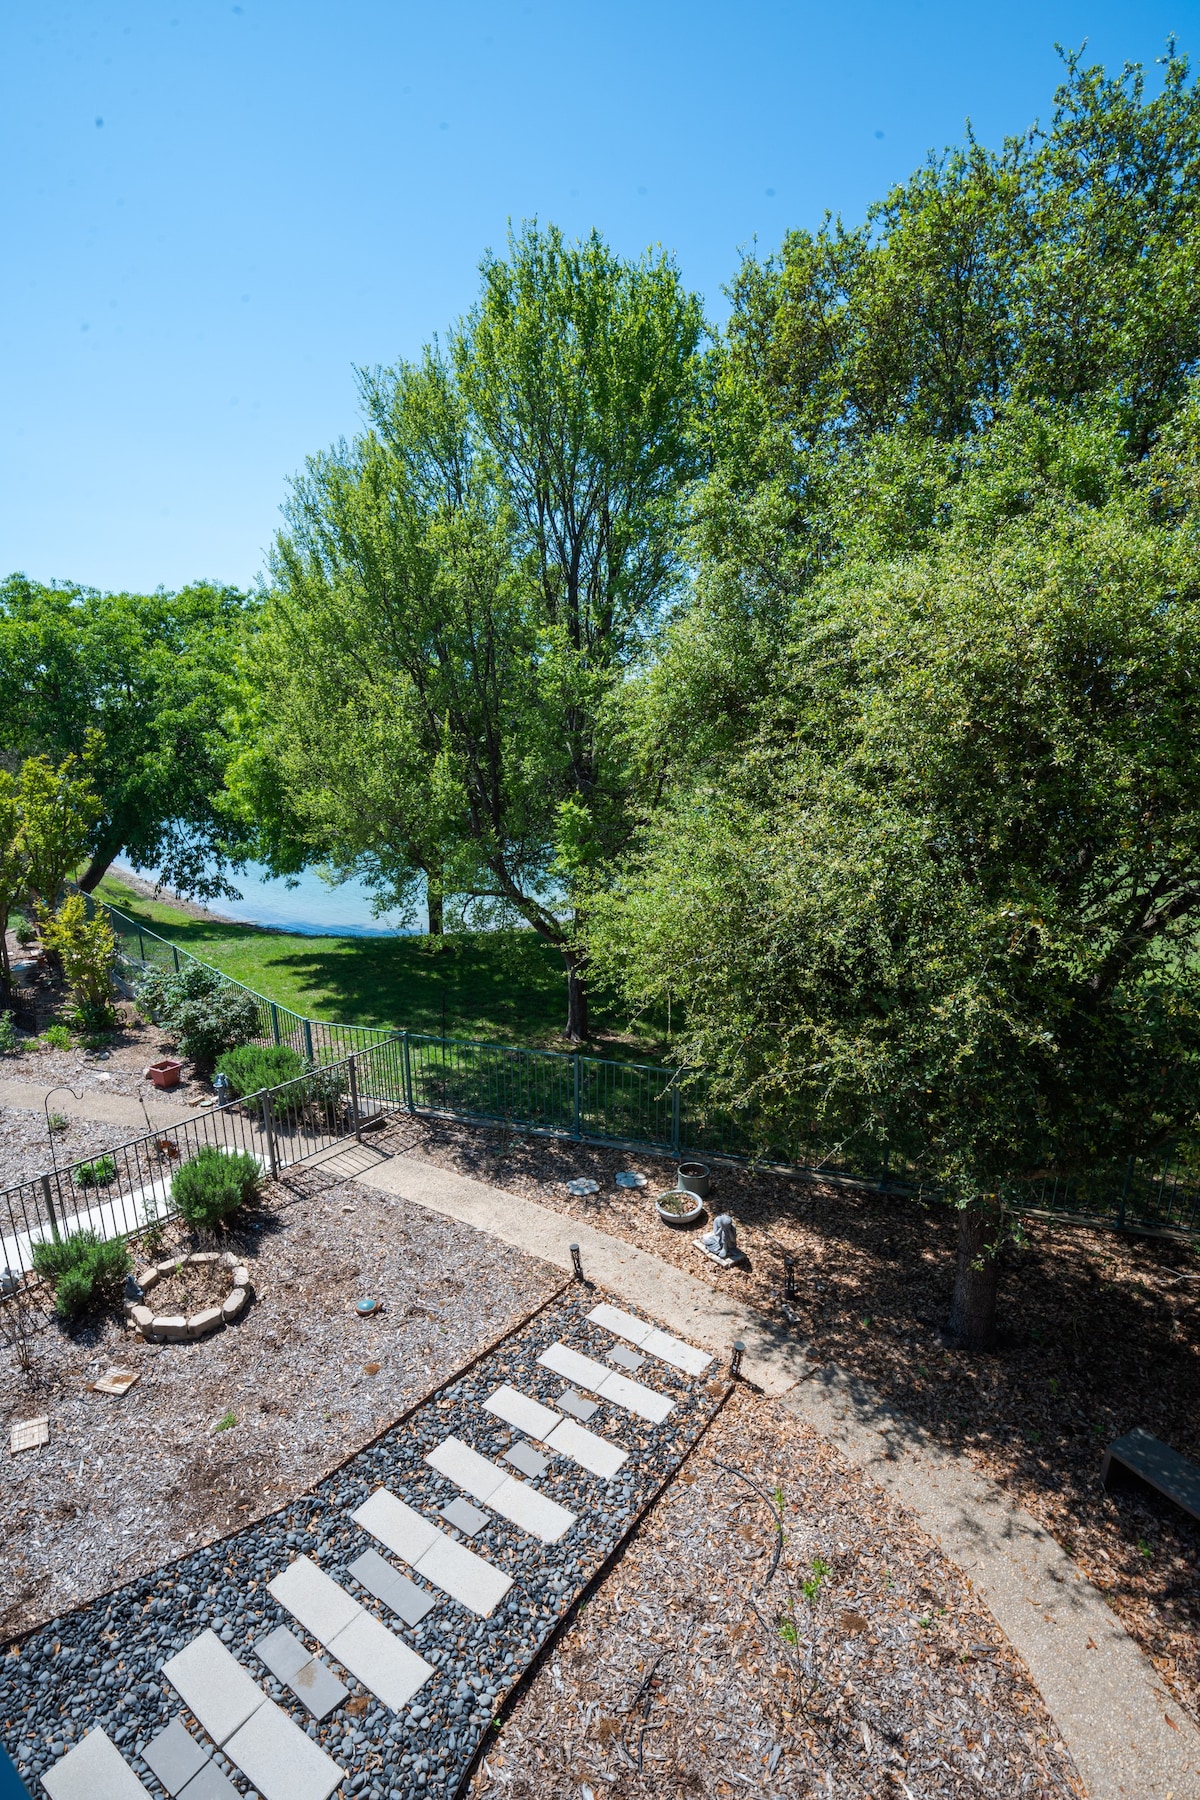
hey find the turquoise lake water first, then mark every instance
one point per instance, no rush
(311, 907)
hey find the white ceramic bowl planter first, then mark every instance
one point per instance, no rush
(174, 1327)
(679, 1207)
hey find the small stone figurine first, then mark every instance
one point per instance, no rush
(721, 1242)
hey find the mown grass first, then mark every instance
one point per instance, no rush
(499, 986)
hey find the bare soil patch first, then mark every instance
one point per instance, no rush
(1103, 1333)
(192, 1288)
(128, 1482)
(700, 1668)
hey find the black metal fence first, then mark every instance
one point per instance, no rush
(644, 1106)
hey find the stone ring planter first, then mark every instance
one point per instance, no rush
(671, 1215)
(174, 1328)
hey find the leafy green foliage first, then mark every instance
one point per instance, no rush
(88, 953)
(9, 1041)
(100, 1173)
(255, 1066)
(84, 1271)
(211, 1186)
(57, 1037)
(205, 1014)
(45, 814)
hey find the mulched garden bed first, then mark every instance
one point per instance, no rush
(698, 1667)
(1102, 1335)
(295, 1385)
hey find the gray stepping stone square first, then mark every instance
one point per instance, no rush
(625, 1359)
(577, 1406)
(410, 1601)
(525, 1458)
(210, 1784)
(283, 1653)
(318, 1687)
(175, 1756)
(375, 1573)
(464, 1517)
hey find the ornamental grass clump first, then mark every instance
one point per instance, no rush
(84, 1271)
(211, 1186)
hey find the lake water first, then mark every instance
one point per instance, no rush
(311, 907)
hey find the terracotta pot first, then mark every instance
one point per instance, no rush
(165, 1074)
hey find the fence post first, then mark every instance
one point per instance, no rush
(308, 1049)
(49, 1206)
(274, 1023)
(408, 1099)
(1124, 1195)
(141, 945)
(354, 1118)
(175, 954)
(575, 1060)
(269, 1135)
(675, 1143)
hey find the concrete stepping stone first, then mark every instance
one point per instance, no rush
(577, 1406)
(650, 1339)
(514, 1500)
(380, 1578)
(265, 1743)
(595, 1454)
(353, 1637)
(464, 1517)
(437, 1558)
(619, 1389)
(309, 1678)
(526, 1460)
(94, 1770)
(622, 1358)
(174, 1756)
(209, 1784)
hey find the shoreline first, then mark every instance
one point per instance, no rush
(146, 890)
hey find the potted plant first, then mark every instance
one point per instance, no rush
(694, 1178)
(679, 1207)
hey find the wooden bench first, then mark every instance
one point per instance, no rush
(1138, 1460)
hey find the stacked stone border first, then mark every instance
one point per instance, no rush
(174, 1327)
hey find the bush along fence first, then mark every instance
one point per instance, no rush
(641, 1106)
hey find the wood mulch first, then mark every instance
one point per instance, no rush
(700, 1666)
(128, 1482)
(1103, 1333)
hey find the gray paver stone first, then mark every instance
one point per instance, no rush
(523, 1457)
(318, 1687)
(94, 1770)
(213, 1684)
(464, 1517)
(577, 1406)
(210, 1784)
(282, 1652)
(280, 1760)
(175, 1756)
(375, 1573)
(410, 1601)
(625, 1359)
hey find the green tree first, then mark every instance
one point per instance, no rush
(150, 683)
(14, 868)
(464, 596)
(946, 896)
(57, 809)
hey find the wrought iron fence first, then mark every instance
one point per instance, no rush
(121, 1191)
(644, 1106)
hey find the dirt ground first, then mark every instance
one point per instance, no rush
(1101, 1334)
(700, 1666)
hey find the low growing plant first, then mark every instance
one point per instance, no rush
(58, 1122)
(9, 1041)
(211, 1185)
(56, 1037)
(96, 1174)
(84, 1271)
(205, 1014)
(26, 933)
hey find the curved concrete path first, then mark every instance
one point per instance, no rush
(1128, 1738)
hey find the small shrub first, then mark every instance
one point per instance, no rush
(83, 1270)
(88, 952)
(59, 1122)
(211, 1186)
(96, 1174)
(205, 1014)
(256, 1066)
(326, 1089)
(56, 1037)
(26, 933)
(8, 1035)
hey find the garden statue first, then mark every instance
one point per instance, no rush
(721, 1242)
(222, 1087)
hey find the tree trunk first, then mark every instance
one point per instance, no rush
(434, 899)
(972, 1322)
(96, 870)
(577, 999)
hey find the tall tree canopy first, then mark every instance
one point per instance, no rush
(927, 869)
(149, 684)
(464, 594)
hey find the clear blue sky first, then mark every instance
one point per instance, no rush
(211, 211)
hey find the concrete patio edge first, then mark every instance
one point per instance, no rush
(1128, 1738)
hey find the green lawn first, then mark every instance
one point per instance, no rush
(504, 986)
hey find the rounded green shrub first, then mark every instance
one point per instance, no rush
(211, 1186)
(256, 1066)
(85, 1271)
(205, 1014)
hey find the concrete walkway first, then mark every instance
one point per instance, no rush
(1129, 1739)
(95, 1104)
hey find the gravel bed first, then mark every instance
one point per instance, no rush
(1102, 1333)
(101, 1665)
(127, 1483)
(675, 1679)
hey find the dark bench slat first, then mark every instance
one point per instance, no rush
(1147, 1459)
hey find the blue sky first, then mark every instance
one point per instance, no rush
(212, 211)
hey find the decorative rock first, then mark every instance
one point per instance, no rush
(241, 1275)
(228, 1259)
(233, 1303)
(140, 1317)
(146, 1278)
(202, 1322)
(173, 1328)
